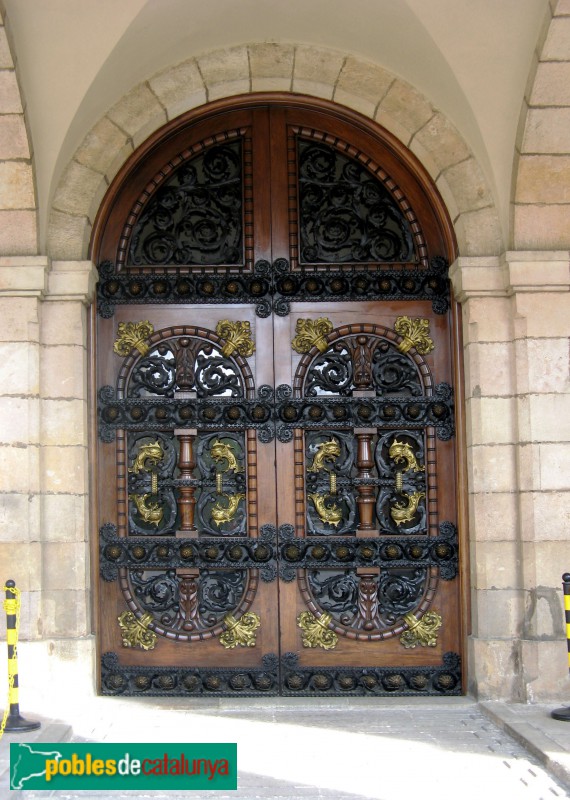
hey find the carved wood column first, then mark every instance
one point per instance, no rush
(366, 502)
(186, 464)
(366, 499)
(188, 618)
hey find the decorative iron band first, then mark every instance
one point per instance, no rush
(129, 681)
(272, 287)
(375, 412)
(279, 416)
(168, 552)
(230, 414)
(370, 681)
(344, 552)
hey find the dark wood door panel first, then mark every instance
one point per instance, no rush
(276, 460)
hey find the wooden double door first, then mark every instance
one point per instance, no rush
(276, 460)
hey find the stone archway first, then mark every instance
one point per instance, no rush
(322, 73)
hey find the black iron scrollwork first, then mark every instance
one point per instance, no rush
(273, 287)
(336, 592)
(379, 412)
(130, 681)
(386, 598)
(185, 364)
(388, 552)
(164, 553)
(195, 217)
(347, 215)
(391, 372)
(299, 681)
(285, 414)
(206, 413)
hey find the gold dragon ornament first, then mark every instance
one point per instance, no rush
(221, 514)
(328, 514)
(405, 512)
(401, 451)
(149, 455)
(325, 451)
(220, 451)
(151, 513)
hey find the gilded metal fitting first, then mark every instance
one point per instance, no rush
(401, 512)
(311, 333)
(135, 631)
(240, 631)
(133, 334)
(316, 631)
(237, 336)
(421, 631)
(415, 333)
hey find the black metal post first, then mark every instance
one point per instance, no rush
(15, 722)
(564, 713)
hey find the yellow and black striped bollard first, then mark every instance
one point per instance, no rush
(564, 713)
(13, 721)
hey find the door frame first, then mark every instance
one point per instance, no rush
(408, 167)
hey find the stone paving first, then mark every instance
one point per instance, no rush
(392, 750)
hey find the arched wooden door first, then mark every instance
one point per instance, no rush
(276, 468)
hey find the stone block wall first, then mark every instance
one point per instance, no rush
(541, 209)
(44, 534)
(18, 228)
(515, 315)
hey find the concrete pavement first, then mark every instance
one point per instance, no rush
(393, 749)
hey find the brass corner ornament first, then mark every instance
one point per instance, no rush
(311, 332)
(240, 631)
(135, 631)
(415, 333)
(131, 335)
(421, 631)
(316, 632)
(237, 336)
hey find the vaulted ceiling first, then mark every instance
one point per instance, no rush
(470, 58)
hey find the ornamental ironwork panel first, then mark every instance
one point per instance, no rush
(194, 217)
(299, 681)
(272, 287)
(167, 553)
(117, 679)
(334, 552)
(346, 214)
